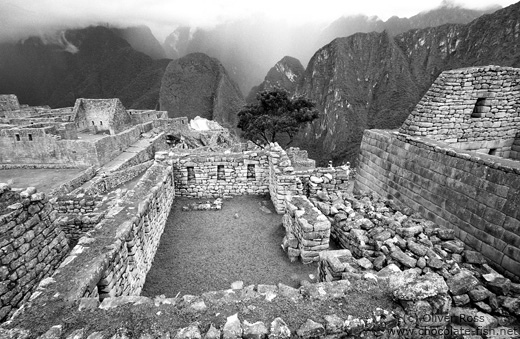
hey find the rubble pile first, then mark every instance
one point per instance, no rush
(381, 241)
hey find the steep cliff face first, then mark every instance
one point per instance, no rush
(358, 82)
(91, 63)
(197, 85)
(286, 74)
(374, 80)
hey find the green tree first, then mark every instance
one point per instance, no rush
(274, 114)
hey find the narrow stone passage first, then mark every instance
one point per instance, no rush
(208, 250)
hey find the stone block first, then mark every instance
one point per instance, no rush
(462, 282)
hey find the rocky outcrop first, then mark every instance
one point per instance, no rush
(197, 85)
(286, 74)
(359, 82)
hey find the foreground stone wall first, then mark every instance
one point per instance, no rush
(476, 195)
(113, 258)
(307, 230)
(134, 253)
(31, 245)
(282, 181)
(235, 313)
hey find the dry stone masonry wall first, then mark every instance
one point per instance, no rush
(113, 258)
(212, 175)
(471, 193)
(77, 214)
(307, 230)
(324, 179)
(473, 108)
(282, 181)
(31, 245)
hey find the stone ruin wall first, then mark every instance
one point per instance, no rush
(45, 150)
(307, 230)
(515, 148)
(112, 259)
(8, 102)
(108, 181)
(135, 245)
(77, 214)
(469, 192)
(472, 109)
(31, 245)
(324, 178)
(197, 176)
(273, 174)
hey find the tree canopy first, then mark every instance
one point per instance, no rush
(273, 114)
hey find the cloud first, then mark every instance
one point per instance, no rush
(22, 17)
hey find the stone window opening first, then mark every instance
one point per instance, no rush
(251, 171)
(93, 123)
(221, 175)
(30, 137)
(17, 136)
(191, 173)
(492, 151)
(480, 109)
(101, 123)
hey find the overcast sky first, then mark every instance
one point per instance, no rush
(164, 15)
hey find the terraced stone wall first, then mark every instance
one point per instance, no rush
(31, 245)
(477, 195)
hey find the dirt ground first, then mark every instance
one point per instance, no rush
(43, 179)
(208, 250)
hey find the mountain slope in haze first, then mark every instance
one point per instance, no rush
(142, 40)
(249, 48)
(446, 13)
(374, 80)
(93, 63)
(246, 48)
(286, 74)
(355, 81)
(197, 85)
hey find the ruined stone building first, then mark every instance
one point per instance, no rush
(91, 133)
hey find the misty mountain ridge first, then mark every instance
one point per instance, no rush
(249, 48)
(93, 62)
(447, 13)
